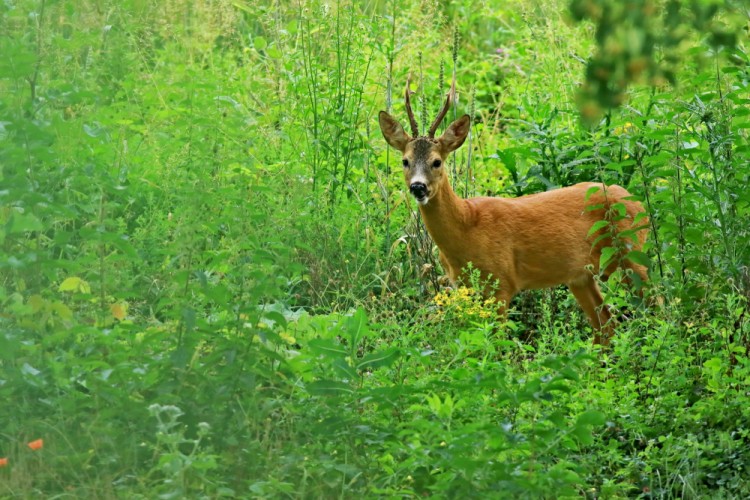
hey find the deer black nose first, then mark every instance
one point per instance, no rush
(418, 189)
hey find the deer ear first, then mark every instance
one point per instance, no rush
(392, 131)
(455, 135)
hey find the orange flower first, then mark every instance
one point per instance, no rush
(36, 444)
(3, 462)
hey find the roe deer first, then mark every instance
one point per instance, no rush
(535, 241)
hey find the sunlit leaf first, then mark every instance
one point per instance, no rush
(597, 226)
(608, 254)
(74, 284)
(260, 43)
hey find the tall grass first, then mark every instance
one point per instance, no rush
(213, 281)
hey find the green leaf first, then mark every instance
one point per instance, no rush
(597, 226)
(356, 327)
(74, 284)
(121, 243)
(590, 192)
(640, 217)
(591, 417)
(378, 359)
(558, 386)
(326, 347)
(638, 257)
(620, 208)
(328, 388)
(276, 318)
(694, 235)
(608, 254)
(569, 373)
(583, 433)
(344, 369)
(260, 43)
(61, 310)
(24, 223)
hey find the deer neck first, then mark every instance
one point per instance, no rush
(446, 219)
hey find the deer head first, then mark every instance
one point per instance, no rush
(424, 156)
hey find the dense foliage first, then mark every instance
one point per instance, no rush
(212, 282)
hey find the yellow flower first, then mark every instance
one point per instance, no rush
(623, 129)
(287, 338)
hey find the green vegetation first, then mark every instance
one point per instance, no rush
(213, 284)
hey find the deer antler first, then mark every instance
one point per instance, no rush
(412, 120)
(446, 106)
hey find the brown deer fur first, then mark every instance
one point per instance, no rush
(534, 241)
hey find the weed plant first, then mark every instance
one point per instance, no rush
(214, 284)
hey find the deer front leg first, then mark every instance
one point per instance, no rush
(449, 272)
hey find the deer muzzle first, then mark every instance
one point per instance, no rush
(418, 190)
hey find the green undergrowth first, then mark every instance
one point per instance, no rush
(213, 284)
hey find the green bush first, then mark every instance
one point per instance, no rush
(213, 283)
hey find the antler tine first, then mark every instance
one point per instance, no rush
(407, 98)
(446, 106)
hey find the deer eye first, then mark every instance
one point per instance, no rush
(436, 164)
(405, 162)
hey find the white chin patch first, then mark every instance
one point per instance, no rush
(423, 201)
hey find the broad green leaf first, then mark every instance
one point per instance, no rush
(37, 303)
(591, 417)
(378, 359)
(639, 258)
(597, 226)
(74, 284)
(620, 208)
(583, 433)
(326, 347)
(344, 369)
(260, 43)
(694, 235)
(24, 223)
(590, 192)
(61, 310)
(276, 318)
(608, 254)
(594, 206)
(558, 386)
(569, 373)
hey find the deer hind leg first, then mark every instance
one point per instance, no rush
(635, 275)
(590, 298)
(638, 283)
